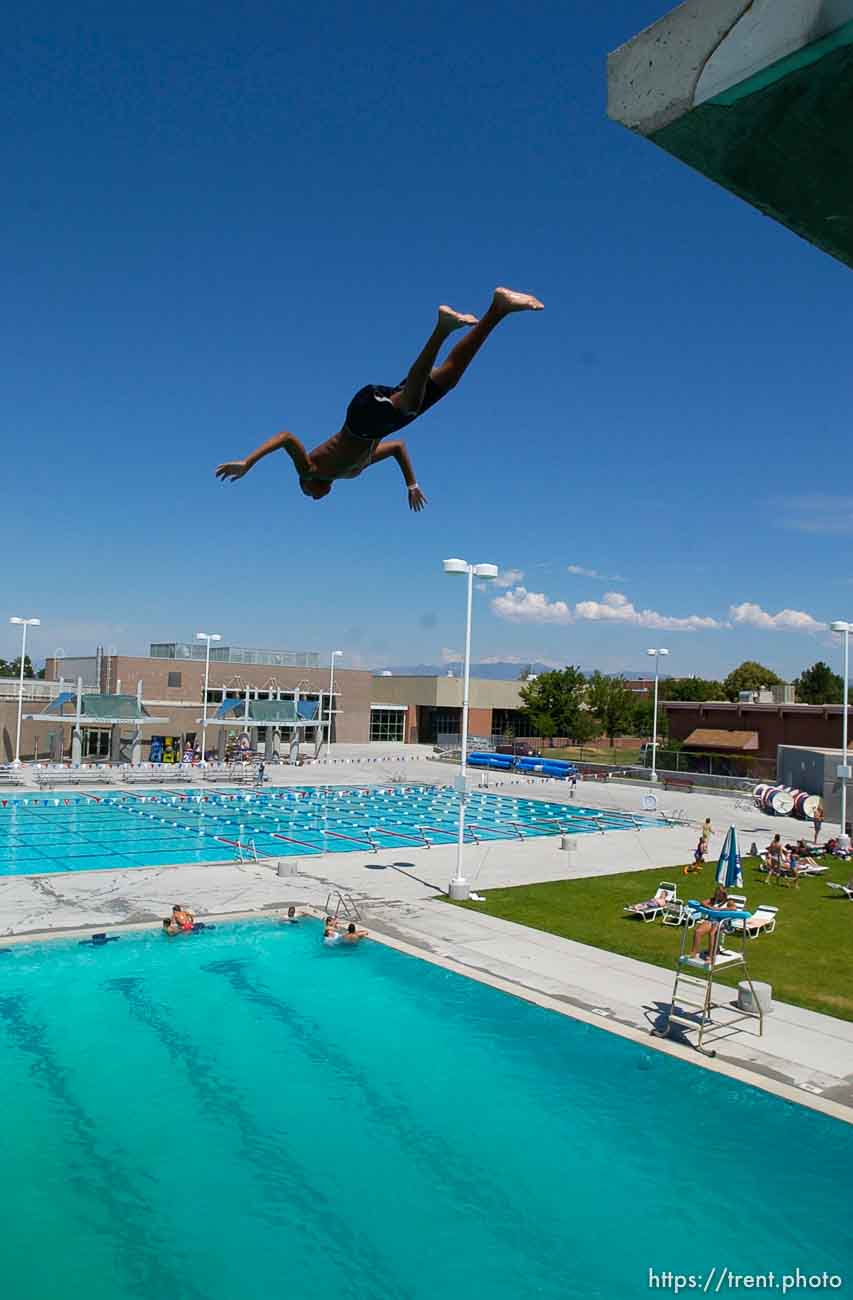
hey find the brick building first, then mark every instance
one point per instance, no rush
(753, 730)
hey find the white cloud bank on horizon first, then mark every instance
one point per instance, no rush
(617, 608)
(787, 620)
(523, 606)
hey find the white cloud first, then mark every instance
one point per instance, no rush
(787, 620)
(617, 608)
(523, 606)
(508, 578)
(578, 571)
(451, 656)
(817, 513)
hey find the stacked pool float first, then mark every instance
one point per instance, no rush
(782, 801)
(553, 767)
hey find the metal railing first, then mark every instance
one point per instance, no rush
(343, 903)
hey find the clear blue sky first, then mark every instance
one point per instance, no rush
(219, 220)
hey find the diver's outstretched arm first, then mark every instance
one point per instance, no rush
(234, 469)
(398, 451)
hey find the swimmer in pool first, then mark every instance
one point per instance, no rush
(331, 934)
(291, 918)
(181, 921)
(352, 935)
(377, 411)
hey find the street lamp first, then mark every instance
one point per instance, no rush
(487, 573)
(336, 654)
(207, 637)
(23, 623)
(657, 654)
(843, 771)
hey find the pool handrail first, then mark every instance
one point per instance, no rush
(382, 830)
(453, 834)
(353, 840)
(288, 839)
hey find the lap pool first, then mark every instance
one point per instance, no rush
(242, 1113)
(74, 832)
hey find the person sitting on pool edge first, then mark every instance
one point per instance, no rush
(376, 411)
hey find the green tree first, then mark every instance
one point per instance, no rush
(544, 725)
(611, 704)
(559, 696)
(642, 717)
(691, 688)
(12, 667)
(749, 676)
(819, 685)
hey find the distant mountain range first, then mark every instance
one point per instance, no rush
(497, 672)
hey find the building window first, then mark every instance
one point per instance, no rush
(174, 679)
(388, 724)
(96, 743)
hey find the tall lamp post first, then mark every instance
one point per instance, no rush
(336, 654)
(843, 771)
(207, 637)
(487, 573)
(23, 623)
(657, 654)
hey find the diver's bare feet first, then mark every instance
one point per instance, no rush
(507, 300)
(450, 320)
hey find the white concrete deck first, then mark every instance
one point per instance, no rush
(802, 1054)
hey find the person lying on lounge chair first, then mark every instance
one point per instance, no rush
(660, 899)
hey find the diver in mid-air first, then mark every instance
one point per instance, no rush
(377, 411)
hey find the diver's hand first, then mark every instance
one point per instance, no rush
(232, 470)
(417, 500)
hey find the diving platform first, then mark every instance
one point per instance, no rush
(758, 96)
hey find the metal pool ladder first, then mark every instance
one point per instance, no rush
(342, 903)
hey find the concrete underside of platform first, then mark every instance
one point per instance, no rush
(778, 136)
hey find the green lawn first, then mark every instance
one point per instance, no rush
(808, 960)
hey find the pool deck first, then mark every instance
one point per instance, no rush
(803, 1055)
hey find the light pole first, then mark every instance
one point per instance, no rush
(207, 637)
(654, 774)
(487, 573)
(23, 623)
(336, 654)
(843, 771)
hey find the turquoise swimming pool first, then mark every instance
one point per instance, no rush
(243, 1113)
(74, 832)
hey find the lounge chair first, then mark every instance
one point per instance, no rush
(678, 912)
(652, 907)
(762, 921)
(846, 890)
(808, 867)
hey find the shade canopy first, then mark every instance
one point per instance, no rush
(265, 713)
(95, 710)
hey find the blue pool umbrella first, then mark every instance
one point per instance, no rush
(728, 868)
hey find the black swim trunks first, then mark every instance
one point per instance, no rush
(371, 413)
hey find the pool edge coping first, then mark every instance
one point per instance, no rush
(786, 1092)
